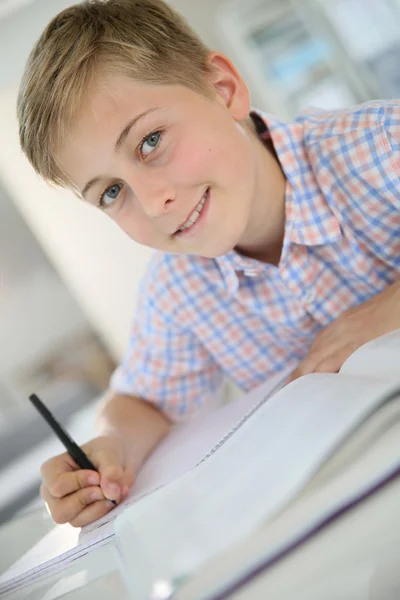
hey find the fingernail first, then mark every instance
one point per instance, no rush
(114, 487)
(112, 502)
(112, 491)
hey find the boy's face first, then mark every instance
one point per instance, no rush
(183, 178)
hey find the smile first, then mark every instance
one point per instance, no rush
(194, 215)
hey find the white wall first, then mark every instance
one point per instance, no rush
(99, 264)
(96, 260)
(203, 17)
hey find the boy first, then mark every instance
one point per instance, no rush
(278, 243)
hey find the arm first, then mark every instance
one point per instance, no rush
(355, 327)
(374, 213)
(129, 428)
(138, 424)
(162, 354)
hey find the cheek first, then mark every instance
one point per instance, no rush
(222, 156)
(136, 225)
(191, 163)
(199, 157)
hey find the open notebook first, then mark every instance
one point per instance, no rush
(267, 463)
(339, 537)
(185, 447)
(251, 457)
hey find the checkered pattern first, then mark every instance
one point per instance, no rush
(199, 319)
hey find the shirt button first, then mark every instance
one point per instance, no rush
(250, 273)
(311, 296)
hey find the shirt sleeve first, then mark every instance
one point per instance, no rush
(372, 181)
(355, 155)
(165, 363)
(391, 124)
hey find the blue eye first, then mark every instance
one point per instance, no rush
(109, 196)
(152, 142)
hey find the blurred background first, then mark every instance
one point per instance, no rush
(68, 276)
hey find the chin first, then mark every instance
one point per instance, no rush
(219, 248)
(230, 241)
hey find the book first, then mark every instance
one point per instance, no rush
(186, 446)
(338, 538)
(261, 468)
(212, 482)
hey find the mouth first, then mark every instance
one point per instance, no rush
(195, 218)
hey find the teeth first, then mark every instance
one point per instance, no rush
(195, 214)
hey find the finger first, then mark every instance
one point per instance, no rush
(318, 355)
(67, 509)
(304, 368)
(114, 484)
(328, 365)
(294, 375)
(125, 491)
(330, 361)
(112, 473)
(126, 484)
(91, 513)
(63, 463)
(113, 479)
(334, 362)
(127, 479)
(307, 366)
(325, 338)
(67, 483)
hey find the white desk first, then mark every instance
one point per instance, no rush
(94, 575)
(79, 580)
(366, 566)
(24, 472)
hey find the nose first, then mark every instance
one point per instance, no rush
(154, 193)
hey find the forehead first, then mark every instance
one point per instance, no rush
(111, 100)
(109, 104)
(112, 96)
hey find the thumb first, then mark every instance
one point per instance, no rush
(116, 482)
(109, 464)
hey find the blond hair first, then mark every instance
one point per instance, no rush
(143, 39)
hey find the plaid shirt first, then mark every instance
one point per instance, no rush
(200, 319)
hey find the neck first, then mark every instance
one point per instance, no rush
(263, 237)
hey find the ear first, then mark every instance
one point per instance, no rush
(229, 86)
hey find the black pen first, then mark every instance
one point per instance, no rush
(72, 447)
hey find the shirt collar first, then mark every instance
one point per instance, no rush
(232, 263)
(307, 223)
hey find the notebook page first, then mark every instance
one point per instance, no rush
(191, 443)
(360, 462)
(380, 357)
(51, 554)
(269, 459)
(182, 450)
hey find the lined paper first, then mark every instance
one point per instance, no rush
(187, 446)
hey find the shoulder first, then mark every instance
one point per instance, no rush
(354, 157)
(166, 269)
(356, 145)
(319, 125)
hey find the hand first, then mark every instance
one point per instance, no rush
(355, 327)
(78, 496)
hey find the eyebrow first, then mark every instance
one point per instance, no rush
(120, 141)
